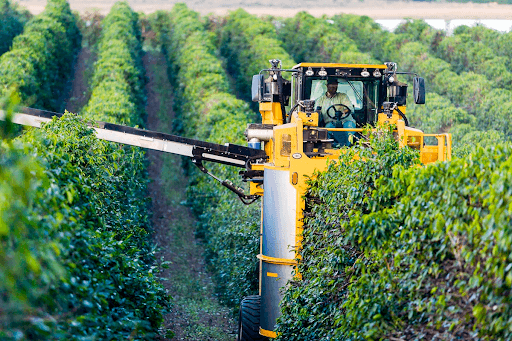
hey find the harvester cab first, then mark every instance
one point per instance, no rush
(374, 91)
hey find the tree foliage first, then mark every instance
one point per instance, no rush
(247, 43)
(76, 261)
(39, 62)
(472, 92)
(77, 256)
(316, 40)
(465, 50)
(118, 81)
(13, 19)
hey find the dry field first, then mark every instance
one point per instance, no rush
(375, 9)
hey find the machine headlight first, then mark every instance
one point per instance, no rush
(310, 72)
(365, 73)
(322, 72)
(377, 73)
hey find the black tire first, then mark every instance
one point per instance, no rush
(249, 319)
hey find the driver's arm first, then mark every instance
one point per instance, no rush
(345, 100)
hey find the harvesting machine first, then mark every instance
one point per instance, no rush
(284, 150)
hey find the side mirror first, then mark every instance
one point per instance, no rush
(419, 90)
(258, 82)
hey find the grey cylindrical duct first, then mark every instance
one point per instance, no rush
(278, 242)
(260, 134)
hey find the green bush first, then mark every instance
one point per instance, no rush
(40, 60)
(118, 80)
(13, 19)
(320, 41)
(314, 306)
(118, 96)
(501, 43)
(465, 50)
(316, 40)
(208, 111)
(470, 91)
(247, 43)
(81, 264)
(369, 36)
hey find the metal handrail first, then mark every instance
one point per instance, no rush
(345, 129)
(446, 142)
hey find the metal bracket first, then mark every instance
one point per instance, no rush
(246, 199)
(389, 107)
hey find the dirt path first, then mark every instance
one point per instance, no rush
(79, 92)
(196, 313)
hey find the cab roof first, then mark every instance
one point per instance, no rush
(340, 65)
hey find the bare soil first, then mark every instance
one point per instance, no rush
(79, 92)
(376, 9)
(196, 313)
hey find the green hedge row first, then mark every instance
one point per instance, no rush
(468, 51)
(392, 252)
(465, 50)
(13, 19)
(490, 106)
(310, 39)
(75, 261)
(118, 96)
(501, 43)
(208, 111)
(40, 60)
(80, 264)
(315, 307)
(247, 43)
(118, 81)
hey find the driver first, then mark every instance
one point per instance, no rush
(324, 102)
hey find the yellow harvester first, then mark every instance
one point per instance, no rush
(296, 146)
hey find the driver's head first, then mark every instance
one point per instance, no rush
(332, 86)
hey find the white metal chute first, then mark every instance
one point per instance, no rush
(145, 142)
(228, 154)
(112, 136)
(26, 120)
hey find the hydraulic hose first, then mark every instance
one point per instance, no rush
(402, 115)
(291, 110)
(281, 96)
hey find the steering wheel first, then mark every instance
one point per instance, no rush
(337, 114)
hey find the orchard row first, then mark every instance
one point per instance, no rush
(406, 253)
(76, 259)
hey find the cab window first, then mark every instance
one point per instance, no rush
(318, 88)
(362, 92)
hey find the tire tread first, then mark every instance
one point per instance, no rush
(249, 323)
